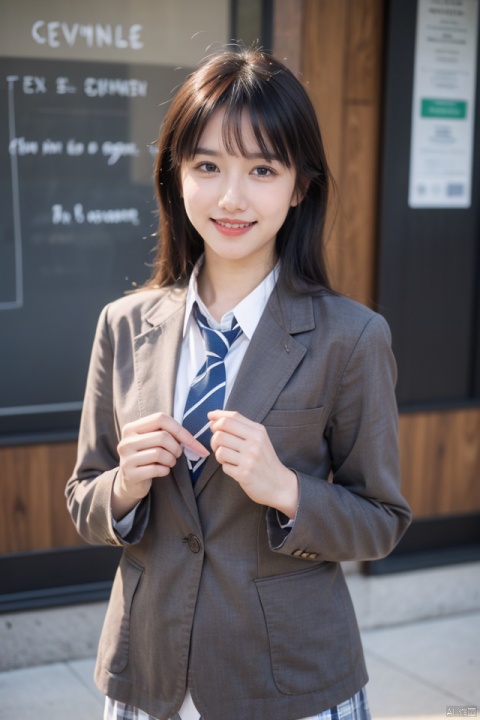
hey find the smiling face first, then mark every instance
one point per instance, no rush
(237, 203)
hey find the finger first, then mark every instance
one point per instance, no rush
(162, 421)
(145, 472)
(131, 465)
(217, 414)
(227, 440)
(181, 434)
(146, 441)
(147, 424)
(158, 456)
(227, 455)
(231, 470)
(195, 445)
(231, 422)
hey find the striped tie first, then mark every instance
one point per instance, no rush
(207, 391)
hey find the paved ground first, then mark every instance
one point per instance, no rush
(417, 670)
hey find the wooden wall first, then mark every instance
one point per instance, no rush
(342, 66)
(33, 514)
(335, 46)
(440, 453)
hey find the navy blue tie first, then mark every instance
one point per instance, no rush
(207, 391)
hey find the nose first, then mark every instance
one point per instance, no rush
(232, 196)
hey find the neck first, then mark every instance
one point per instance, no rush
(222, 285)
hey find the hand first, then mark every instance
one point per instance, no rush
(149, 448)
(243, 449)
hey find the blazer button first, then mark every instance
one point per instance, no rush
(194, 543)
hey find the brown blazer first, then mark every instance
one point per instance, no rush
(210, 590)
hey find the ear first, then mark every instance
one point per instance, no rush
(297, 198)
(300, 192)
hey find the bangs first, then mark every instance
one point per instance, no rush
(269, 122)
(267, 131)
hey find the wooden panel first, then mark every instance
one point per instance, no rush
(288, 20)
(33, 514)
(440, 455)
(324, 72)
(324, 76)
(364, 50)
(342, 64)
(356, 265)
(355, 245)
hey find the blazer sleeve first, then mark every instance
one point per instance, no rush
(360, 514)
(89, 489)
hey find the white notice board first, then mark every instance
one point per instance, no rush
(443, 108)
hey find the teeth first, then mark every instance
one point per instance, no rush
(234, 226)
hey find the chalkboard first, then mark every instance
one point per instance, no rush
(77, 222)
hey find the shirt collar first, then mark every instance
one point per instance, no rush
(248, 311)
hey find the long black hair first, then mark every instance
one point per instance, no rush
(283, 122)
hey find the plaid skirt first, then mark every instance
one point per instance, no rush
(354, 709)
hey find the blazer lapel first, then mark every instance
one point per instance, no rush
(271, 359)
(157, 352)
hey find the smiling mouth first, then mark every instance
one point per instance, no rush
(234, 226)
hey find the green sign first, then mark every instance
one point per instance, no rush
(444, 109)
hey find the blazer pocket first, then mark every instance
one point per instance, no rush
(114, 643)
(311, 628)
(293, 418)
(297, 436)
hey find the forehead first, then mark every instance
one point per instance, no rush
(234, 134)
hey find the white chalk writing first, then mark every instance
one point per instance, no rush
(112, 151)
(52, 147)
(99, 87)
(63, 86)
(97, 216)
(92, 87)
(32, 85)
(55, 34)
(115, 150)
(21, 146)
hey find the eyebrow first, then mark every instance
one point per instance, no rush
(249, 156)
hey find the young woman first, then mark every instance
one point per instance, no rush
(239, 431)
